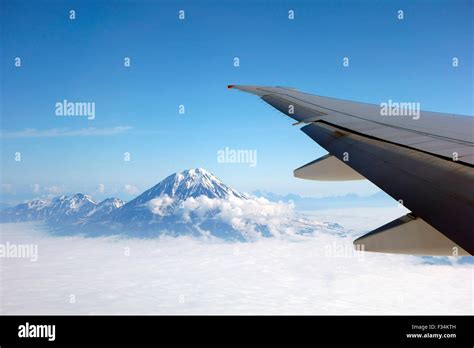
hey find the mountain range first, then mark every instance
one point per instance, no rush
(193, 202)
(61, 209)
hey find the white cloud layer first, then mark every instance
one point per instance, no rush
(244, 215)
(319, 274)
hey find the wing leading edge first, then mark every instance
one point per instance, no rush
(425, 163)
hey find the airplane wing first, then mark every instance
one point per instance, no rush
(422, 159)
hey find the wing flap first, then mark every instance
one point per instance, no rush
(327, 168)
(409, 235)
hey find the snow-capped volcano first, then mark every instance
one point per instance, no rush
(168, 195)
(189, 183)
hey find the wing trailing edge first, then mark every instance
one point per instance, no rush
(327, 168)
(409, 235)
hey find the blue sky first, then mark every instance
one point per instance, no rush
(190, 62)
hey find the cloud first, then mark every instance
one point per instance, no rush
(191, 276)
(251, 217)
(160, 205)
(65, 132)
(54, 189)
(130, 189)
(101, 188)
(245, 215)
(36, 188)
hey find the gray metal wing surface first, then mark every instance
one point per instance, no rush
(422, 159)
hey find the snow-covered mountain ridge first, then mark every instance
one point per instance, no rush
(193, 202)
